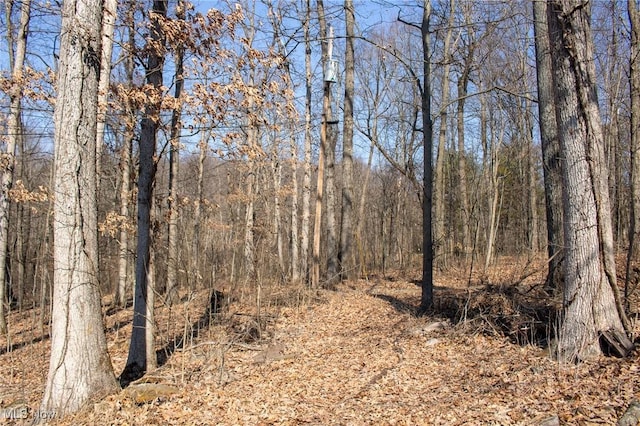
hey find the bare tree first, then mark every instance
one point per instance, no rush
(79, 368)
(424, 86)
(14, 130)
(589, 304)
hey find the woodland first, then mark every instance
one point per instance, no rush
(319, 212)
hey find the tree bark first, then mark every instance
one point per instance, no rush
(125, 170)
(80, 368)
(426, 298)
(137, 360)
(306, 179)
(345, 256)
(589, 304)
(551, 159)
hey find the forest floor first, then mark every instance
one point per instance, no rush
(356, 355)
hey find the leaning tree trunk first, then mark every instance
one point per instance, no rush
(80, 368)
(589, 305)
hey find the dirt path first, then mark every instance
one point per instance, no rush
(359, 357)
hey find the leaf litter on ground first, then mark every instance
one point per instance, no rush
(356, 355)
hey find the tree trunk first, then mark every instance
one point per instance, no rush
(589, 306)
(362, 260)
(108, 28)
(317, 223)
(125, 170)
(616, 163)
(495, 190)
(14, 131)
(426, 298)
(440, 256)
(345, 256)
(462, 160)
(294, 243)
(323, 162)
(171, 291)
(276, 171)
(125, 194)
(197, 244)
(329, 149)
(634, 72)
(80, 368)
(331, 201)
(306, 180)
(249, 213)
(137, 360)
(532, 180)
(550, 148)
(150, 324)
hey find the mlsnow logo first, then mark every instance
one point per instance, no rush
(14, 413)
(44, 415)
